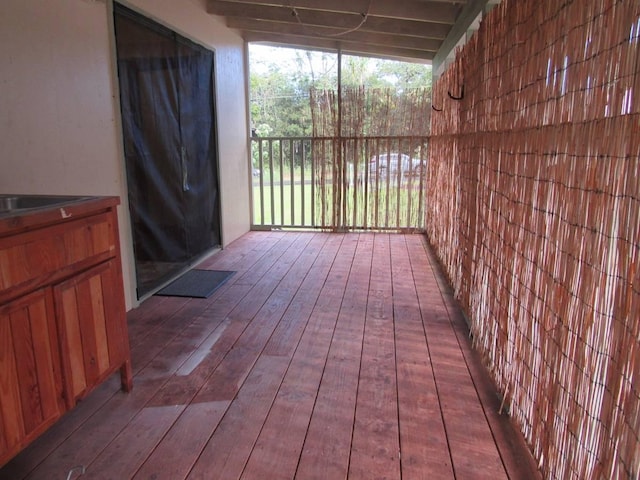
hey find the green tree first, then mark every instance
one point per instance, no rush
(278, 104)
(281, 78)
(280, 81)
(406, 75)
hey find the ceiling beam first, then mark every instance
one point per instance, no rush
(332, 45)
(424, 11)
(401, 29)
(311, 18)
(407, 10)
(468, 16)
(329, 33)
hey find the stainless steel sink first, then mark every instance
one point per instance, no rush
(17, 203)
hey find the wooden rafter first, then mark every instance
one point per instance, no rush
(409, 29)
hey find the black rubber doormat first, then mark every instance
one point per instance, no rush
(196, 284)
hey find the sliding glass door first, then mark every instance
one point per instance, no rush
(167, 97)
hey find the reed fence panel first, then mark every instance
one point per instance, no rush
(533, 197)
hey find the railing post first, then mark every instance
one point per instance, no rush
(313, 183)
(302, 202)
(281, 148)
(272, 186)
(261, 180)
(292, 181)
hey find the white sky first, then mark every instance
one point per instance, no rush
(286, 57)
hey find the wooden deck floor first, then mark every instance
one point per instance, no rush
(326, 356)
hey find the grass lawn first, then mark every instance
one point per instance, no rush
(284, 206)
(279, 208)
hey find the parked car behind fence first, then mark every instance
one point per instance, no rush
(396, 167)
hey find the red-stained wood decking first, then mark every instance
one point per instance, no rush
(326, 356)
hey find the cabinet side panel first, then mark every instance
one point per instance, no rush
(3, 441)
(114, 312)
(99, 323)
(47, 355)
(72, 340)
(11, 413)
(26, 368)
(87, 329)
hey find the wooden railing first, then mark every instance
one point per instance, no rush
(342, 184)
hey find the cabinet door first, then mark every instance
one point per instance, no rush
(30, 380)
(91, 327)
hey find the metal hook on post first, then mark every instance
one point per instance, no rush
(454, 97)
(433, 106)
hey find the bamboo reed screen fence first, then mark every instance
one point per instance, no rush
(370, 158)
(534, 211)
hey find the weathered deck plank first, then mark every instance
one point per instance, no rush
(325, 356)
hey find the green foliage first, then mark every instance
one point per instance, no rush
(280, 80)
(380, 73)
(279, 104)
(404, 75)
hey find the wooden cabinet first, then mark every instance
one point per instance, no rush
(30, 375)
(62, 315)
(91, 333)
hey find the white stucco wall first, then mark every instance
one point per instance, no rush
(59, 116)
